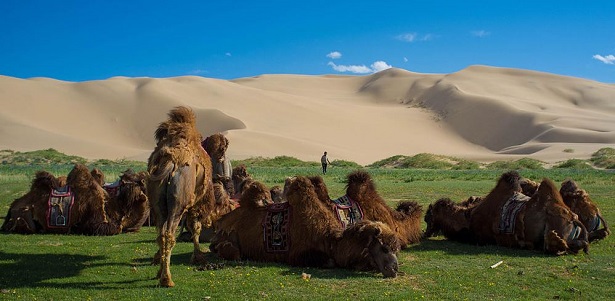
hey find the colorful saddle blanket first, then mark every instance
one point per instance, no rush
(348, 211)
(60, 204)
(511, 208)
(113, 189)
(276, 226)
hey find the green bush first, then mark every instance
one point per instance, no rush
(574, 163)
(524, 163)
(604, 158)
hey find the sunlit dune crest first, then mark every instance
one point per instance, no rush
(479, 113)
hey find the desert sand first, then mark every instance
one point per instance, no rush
(479, 113)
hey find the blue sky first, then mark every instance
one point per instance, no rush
(90, 40)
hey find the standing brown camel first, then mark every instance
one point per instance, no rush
(180, 182)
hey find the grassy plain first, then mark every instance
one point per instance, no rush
(70, 267)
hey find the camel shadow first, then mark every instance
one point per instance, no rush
(458, 248)
(37, 270)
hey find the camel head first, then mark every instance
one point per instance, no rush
(226, 182)
(564, 233)
(380, 245)
(216, 146)
(580, 203)
(255, 195)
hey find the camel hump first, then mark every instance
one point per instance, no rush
(547, 188)
(409, 208)
(43, 180)
(359, 176)
(182, 114)
(512, 178)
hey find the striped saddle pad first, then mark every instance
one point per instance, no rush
(348, 211)
(59, 205)
(511, 208)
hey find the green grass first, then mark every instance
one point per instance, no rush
(56, 267)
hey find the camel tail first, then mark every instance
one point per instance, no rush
(161, 173)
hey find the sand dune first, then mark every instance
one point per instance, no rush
(479, 113)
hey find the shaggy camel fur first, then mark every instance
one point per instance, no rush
(132, 187)
(277, 194)
(491, 204)
(450, 219)
(316, 237)
(94, 212)
(240, 178)
(580, 203)
(405, 220)
(216, 146)
(224, 204)
(542, 222)
(180, 182)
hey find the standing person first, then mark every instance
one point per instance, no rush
(325, 161)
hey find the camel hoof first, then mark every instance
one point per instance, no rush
(166, 282)
(198, 257)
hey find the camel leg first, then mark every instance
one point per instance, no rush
(195, 227)
(168, 242)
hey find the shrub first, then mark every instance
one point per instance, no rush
(604, 158)
(574, 164)
(524, 163)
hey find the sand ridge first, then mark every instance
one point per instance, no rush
(479, 113)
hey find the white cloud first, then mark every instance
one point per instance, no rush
(413, 37)
(228, 54)
(427, 37)
(405, 59)
(360, 69)
(334, 55)
(379, 66)
(609, 59)
(480, 33)
(350, 68)
(407, 37)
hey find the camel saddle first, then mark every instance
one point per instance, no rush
(113, 189)
(511, 208)
(348, 211)
(59, 207)
(276, 227)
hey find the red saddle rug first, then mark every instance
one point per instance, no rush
(59, 205)
(113, 189)
(348, 211)
(276, 225)
(511, 208)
